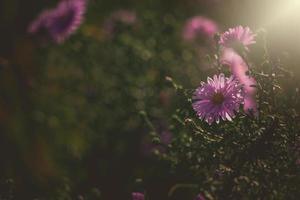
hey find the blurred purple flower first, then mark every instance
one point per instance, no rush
(239, 69)
(61, 22)
(218, 99)
(138, 196)
(199, 26)
(250, 105)
(200, 197)
(235, 62)
(237, 37)
(126, 17)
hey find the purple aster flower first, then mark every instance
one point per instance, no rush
(217, 99)
(61, 22)
(125, 17)
(199, 26)
(237, 37)
(138, 196)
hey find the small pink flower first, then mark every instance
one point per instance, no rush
(237, 37)
(199, 26)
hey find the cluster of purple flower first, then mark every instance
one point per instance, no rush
(221, 97)
(217, 99)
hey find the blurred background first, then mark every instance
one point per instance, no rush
(71, 114)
